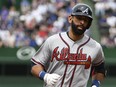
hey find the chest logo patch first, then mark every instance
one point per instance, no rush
(71, 58)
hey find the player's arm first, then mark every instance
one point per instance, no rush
(36, 69)
(98, 75)
(49, 79)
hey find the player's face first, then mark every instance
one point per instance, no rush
(79, 24)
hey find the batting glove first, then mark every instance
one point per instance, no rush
(50, 79)
(95, 83)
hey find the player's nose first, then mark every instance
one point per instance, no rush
(82, 21)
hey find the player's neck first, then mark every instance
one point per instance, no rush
(75, 37)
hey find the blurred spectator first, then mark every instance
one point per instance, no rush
(4, 13)
(20, 26)
(25, 6)
(106, 13)
(7, 38)
(100, 9)
(41, 34)
(12, 16)
(111, 20)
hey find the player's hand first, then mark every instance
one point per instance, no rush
(94, 86)
(51, 79)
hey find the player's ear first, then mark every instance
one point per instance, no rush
(70, 19)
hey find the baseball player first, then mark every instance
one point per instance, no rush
(65, 59)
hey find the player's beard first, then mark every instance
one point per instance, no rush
(75, 29)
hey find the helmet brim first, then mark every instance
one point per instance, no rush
(81, 14)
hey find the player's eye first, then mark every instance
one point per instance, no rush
(86, 19)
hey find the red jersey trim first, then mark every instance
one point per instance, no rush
(34, 61)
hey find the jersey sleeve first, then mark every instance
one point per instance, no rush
(42, 55)
(99, 57)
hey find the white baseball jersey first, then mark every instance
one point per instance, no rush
(70, 59)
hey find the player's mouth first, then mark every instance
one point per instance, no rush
(80, 27)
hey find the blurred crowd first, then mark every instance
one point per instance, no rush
(33, 22)
(36, 20)
(105, 11)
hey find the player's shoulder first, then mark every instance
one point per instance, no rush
(55, 36)
(94, 43)
(52, 37)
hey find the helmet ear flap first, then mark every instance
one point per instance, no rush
(89, 24)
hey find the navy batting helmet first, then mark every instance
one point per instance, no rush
(83, 10)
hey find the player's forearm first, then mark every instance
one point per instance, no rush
(36, 69)
(49, 79)
(98, 76)
(97, 79)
